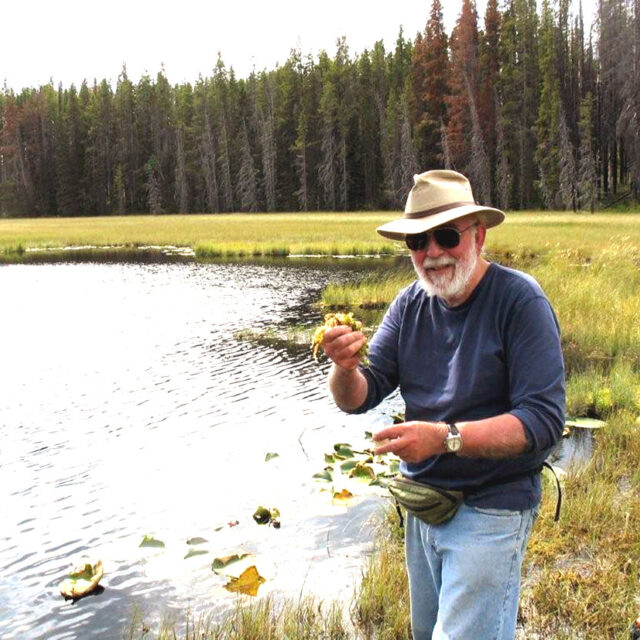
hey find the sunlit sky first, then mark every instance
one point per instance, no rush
(68, 41)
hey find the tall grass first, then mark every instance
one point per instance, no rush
(338, 233)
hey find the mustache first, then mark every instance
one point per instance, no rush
(442, 261)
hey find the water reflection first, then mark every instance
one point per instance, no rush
(129, 408)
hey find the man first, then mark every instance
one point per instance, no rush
(475, 350)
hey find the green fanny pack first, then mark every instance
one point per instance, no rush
(431, 504)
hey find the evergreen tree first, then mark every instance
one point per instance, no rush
(463, 84)
(247, 187)
(430, 70)
(587, 177)
(548, 122)
(489, 70)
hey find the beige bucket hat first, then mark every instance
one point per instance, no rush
(438, 197)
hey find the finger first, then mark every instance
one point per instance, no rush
(390, 432)
(339, 330)
(344, 347)
(390, 446)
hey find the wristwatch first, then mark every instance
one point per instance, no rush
(453, 441)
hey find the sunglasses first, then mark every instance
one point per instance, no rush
(446, 237)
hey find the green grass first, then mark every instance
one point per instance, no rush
(523, 236)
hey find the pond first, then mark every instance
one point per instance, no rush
(131, 408)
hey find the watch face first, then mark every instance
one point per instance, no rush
(454, 443)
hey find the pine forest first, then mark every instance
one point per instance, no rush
(535, 110)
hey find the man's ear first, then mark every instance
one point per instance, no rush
(481, 234)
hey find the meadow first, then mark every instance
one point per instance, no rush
(582, 574)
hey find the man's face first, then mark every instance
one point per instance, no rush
(446, 273)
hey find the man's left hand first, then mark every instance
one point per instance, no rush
(412, 441)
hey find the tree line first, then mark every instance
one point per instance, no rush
(534, 110)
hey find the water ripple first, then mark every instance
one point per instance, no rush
(142, 408)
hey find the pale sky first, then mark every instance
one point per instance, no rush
(72, 40)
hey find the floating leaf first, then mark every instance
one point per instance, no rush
(222, 563)
(82, 580)
(196, 541)
(271, 456)
(195, 552)
(343, 450)
(585, 423)
(363, 472)
(325, 475)
(329, 458)
(343, 497)
(263, 515)
(150, 541)
(248, 582)
(348, 466)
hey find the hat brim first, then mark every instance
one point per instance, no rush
(398, 229)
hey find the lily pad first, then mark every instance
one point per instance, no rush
(363, 472)
(150, 541)
(325, 475)
(585, 423)
(343, 450)
(248, 582)
(82, 580)
(195, 552)
(220, 564)
(343, 497)
(271, 456)
(263, 515)
(348, 465)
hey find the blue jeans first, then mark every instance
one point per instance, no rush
(464, 575)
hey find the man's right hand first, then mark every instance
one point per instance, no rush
(341, 345)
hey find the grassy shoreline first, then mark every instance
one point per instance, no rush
(525, 234)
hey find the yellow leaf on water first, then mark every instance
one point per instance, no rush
(82, 580)
(343, 497)
(248, 582)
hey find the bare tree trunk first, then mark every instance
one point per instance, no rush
(446, 149)
(246, 181)
(302, 193)
(344, 176)
(567, 176)
(181, 186)
(209, 161)
(327, 169)
(269, 149)
(504, 175)
(408, 155)
(478, 167)
(225, 166)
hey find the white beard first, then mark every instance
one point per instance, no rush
(451, 284)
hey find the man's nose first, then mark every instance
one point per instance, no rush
(433, 249)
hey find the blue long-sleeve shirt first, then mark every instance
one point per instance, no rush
(499, 352)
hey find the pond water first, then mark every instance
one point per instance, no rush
(130, 407)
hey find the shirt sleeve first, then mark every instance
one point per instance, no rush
(382, 372)
(536, 373)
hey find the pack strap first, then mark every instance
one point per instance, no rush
(556, 517)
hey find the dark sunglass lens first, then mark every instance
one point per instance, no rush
(417, 241)
(447, 238)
